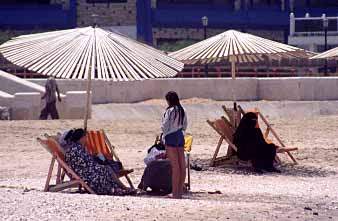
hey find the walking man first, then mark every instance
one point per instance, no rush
(51, 88)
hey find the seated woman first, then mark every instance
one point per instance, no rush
(65, 141)
(100, 178)
(251, 144)
(157, 174)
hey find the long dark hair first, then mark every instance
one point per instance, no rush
(78, 134)
(174, 101)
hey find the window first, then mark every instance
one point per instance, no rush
(315, 26)
(107, 1)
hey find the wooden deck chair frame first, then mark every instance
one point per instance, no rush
(52, 146)
(273, 132)
(224, 136)
(99, 141)
(227, 136)
(187, 150)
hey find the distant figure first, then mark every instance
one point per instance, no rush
(251, 144)
(51, 88)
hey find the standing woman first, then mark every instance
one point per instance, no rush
(174, 121)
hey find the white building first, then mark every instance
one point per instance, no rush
(309, 32)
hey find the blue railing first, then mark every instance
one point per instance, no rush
(37, 16)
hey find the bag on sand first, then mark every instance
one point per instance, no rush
(157, 176)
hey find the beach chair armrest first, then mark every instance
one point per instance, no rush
(286, 149)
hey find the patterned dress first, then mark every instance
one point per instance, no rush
(99, 177)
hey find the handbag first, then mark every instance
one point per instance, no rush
(158, 144)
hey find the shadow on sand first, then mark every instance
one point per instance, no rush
(287, 169)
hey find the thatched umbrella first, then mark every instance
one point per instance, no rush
(89, 53)
(236, 47)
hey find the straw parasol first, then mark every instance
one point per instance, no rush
(236, 47)
(330, 54)
(89, 53)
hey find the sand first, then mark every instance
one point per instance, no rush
(307, 191)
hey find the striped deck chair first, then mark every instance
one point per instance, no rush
(52, 146)
(98, 142)
(187, 149)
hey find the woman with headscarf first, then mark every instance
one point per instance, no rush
(100, 178)
(251, 144)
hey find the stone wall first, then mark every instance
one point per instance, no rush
(198, 34)
(246, 89)
(182, 33)
(113, 14)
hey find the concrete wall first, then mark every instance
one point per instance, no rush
(12, 84)
(312, 41)
(296, 89)
(6, 99)
(24, 98)
(75, 105)
(28, 105)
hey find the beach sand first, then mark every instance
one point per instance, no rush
(307, 191)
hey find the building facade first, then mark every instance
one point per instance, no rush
(169, 20)
(36, 15)
(19, 17)
(160, 21)
(314, 33)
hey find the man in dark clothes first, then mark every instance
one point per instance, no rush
(51, 88)
(251, 144)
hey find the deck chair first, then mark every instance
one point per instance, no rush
(52, 146)
(187, 149)
(226, 131)
(98, 142)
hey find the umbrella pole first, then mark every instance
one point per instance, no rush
(233, 76)
(89, 84)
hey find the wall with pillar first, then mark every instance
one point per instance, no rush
(293, 88)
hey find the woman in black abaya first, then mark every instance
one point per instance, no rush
(251, 144)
